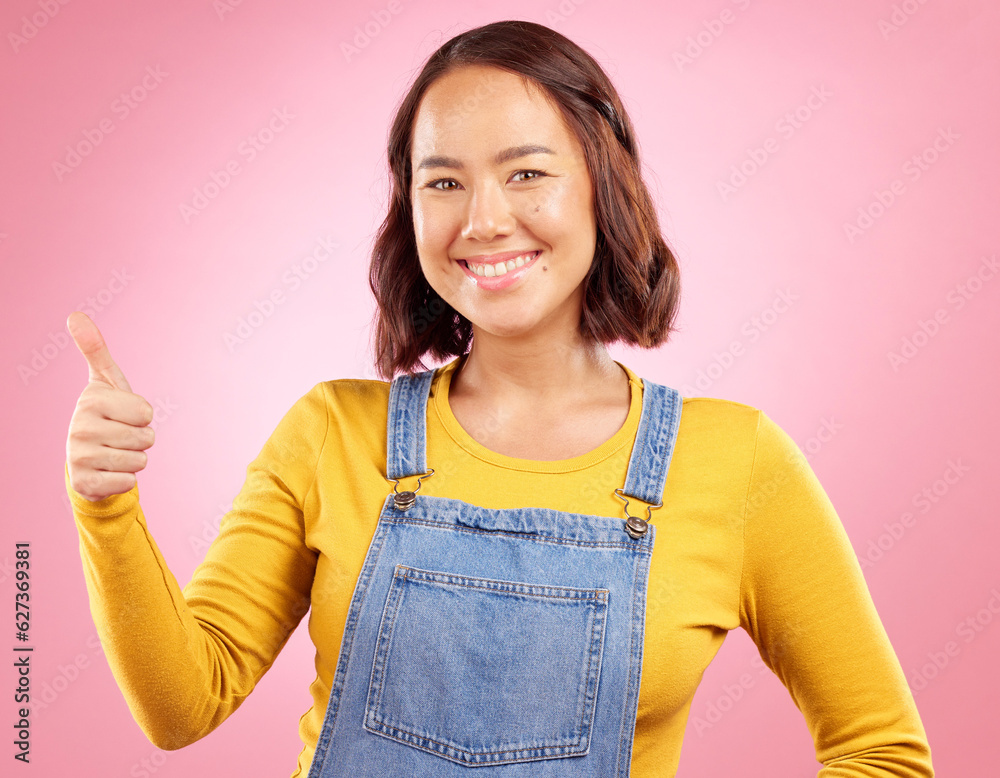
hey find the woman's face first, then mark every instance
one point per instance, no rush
(498, 175)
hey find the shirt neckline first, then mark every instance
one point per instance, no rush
(625, 435)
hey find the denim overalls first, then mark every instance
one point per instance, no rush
(500, 643)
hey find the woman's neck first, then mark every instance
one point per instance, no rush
(544, 378)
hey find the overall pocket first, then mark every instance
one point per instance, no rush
(485, 672)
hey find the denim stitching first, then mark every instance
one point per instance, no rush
(595, 604)
(640, 547)
(383, 647)
(339, 676)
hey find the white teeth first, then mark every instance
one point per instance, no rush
(500, 268)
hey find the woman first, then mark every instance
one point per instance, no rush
(524, 560)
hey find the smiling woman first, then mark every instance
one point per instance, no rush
(522, 560)
(466, 233)
(476, 113)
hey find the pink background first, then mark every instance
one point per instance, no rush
(877, 434)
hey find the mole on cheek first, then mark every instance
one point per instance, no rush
(544, 268)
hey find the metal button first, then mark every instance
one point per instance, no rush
(636, 527)
(404, 500)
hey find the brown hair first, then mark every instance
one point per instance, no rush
(633, 286)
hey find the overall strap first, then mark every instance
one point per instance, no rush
(654, 442)
(406, 453)
(659, 421)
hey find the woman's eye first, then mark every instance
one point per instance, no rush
(438, 184)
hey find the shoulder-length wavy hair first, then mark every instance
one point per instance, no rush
(633, 285)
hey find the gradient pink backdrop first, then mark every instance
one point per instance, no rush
(206, 76)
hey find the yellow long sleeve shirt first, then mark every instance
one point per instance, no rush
(746, 538)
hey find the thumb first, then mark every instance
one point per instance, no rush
(88, 339)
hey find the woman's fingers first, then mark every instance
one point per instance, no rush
(109, 432)
(91, 344)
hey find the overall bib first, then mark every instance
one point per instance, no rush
(495, 643)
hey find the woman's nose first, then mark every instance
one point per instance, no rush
(487, 215)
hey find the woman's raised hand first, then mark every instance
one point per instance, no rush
(110, 430)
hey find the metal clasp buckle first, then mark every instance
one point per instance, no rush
(635, 526)
(404, 500)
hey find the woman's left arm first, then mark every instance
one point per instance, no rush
(805, 603)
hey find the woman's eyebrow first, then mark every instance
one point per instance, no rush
(515, 152)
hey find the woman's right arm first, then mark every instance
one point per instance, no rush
(185, 660)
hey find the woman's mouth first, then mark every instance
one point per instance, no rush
(499, 275)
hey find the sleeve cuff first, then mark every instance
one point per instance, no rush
(112, 506)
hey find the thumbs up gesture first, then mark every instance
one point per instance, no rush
(109, 431)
